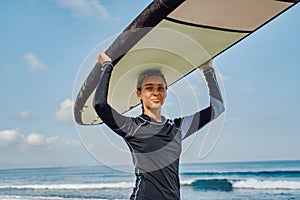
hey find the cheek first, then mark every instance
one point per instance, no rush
(145, 95)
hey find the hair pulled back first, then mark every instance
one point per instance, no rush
(147, 73)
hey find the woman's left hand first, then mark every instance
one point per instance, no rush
(206, 65)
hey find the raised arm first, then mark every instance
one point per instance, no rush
(190, 124)
(117, 122)
(216, 100)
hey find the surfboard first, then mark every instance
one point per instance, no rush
(175, 36)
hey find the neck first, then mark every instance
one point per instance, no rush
(154, 114)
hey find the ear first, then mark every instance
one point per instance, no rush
(139, 94)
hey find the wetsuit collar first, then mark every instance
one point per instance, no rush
(150, 119)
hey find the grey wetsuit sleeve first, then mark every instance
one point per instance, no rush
(216, 100)
(190, 124)
(113, 119)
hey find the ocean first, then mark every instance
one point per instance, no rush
(238, 180)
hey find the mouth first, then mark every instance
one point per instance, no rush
(156, 100)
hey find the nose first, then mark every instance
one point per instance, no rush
(155, 91)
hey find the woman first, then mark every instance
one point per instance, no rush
(154, 141)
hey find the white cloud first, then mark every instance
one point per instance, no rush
(9, 137)
(12, 137)
(35, 139)
(65, 112)
(54, 140)
(33, 62)
(38, 139)
(19, 149)
(85, 8)
(27, 115)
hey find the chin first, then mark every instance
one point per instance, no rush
(156, 106)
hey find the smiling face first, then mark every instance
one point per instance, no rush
(152, 93)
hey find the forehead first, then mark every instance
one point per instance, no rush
(153, 80)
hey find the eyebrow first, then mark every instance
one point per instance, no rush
(151, 84)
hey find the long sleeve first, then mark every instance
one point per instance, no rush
(216, 100)
(190, 124)
(100, 98)
(117, 122)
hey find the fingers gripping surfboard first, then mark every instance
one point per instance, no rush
(175, 36)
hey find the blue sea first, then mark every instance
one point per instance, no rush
(239, 180)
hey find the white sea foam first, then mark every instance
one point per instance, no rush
(13, 197)
(71, 186)
(187, 182)
(267, 184)
(82, 186)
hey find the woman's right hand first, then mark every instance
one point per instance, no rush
(103, 57)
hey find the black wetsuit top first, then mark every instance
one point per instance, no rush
(155, 146)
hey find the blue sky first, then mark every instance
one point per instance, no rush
(43, 44)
